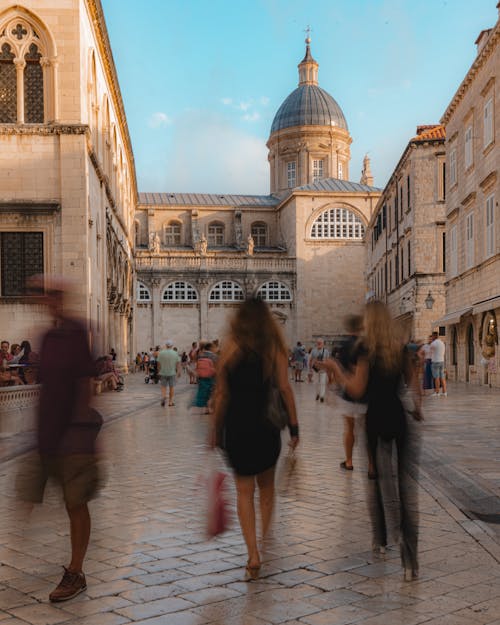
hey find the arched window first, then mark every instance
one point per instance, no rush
(216, 234)
(172, 233)
(179, 292)
(27, 53)
(275, 291)
(8, 86)
(259, 234)
(226, 291)
(143, 294)
(470, 344)
(337, 223)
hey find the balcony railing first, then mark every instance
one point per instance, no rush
(214, 263)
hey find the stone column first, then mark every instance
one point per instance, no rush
(155, 311)
(203, 307)
(20, 65)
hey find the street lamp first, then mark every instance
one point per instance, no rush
(429, 301)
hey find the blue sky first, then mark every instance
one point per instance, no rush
(201, 80)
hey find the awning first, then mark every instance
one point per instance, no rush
(453, 317)
(489, 304)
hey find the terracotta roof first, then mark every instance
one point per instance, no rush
(434, 132)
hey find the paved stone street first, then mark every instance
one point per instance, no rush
(149, 561)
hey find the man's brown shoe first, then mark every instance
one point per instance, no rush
(72, 584)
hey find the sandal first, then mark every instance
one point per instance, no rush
(171, 403)
(252, 572)
(344, 466)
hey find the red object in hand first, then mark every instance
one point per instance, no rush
(217, 517)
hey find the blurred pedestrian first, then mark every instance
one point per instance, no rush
(67, 429)
(381, 374)
(253, 361)
(350, 351)
(318, 355)
(298, 360)
(425, 355)
(167, 360)
(205, 372)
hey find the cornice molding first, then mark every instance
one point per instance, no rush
(482, 57)
(98, 21)
(44, 129)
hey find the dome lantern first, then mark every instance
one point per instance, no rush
(308, 67)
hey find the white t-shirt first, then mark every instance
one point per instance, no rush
(426, 349)
(437, 350)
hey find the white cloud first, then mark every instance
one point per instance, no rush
(244, 106)
(208, 155)
(227, 101)
(264, 100)
(158, 120)
(252, 117)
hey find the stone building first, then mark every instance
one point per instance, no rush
(300, 248)
(405, 238)
(68, 188)
(472, 121)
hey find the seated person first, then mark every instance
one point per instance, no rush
(5, 352)
(9, 377)
(16, 352)
(104, 375)
(30, 359)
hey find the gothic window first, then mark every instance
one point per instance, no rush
(143, 294)
(259, 234)
(8, 86)
(180, 292)
(337, 223)
(172, 232)
(33, 87)
(21, 255)
(216, 234)
(226, 291)
(26, 53)
(275, 292)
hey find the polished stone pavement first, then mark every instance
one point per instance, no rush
(150, 563)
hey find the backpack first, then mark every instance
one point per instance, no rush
(205, 367)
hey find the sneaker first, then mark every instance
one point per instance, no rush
(71, 585)
(444, 394)
(435, 394)
(162, 402)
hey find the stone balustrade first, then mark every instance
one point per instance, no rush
(249, 264)
(18, 406)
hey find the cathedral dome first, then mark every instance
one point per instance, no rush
(309, 105)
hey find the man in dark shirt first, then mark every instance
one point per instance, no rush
(66, 432)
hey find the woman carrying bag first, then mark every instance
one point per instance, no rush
(253, 364)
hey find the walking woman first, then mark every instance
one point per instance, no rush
(254, 358)
(381, 373)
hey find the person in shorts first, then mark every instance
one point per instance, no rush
(168, 361)
(437, 351)
(67, 431)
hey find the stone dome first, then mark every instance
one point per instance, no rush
(309, 105)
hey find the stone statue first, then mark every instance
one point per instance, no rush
(151, 245)
(203, 244)
(156, 243)
(490, 341)
(250, 245)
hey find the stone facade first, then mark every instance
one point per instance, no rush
(472, 122)
(68, 189)
(405, 237)
(300, 248)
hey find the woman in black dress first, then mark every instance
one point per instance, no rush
(382, 374)
(253, 358)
